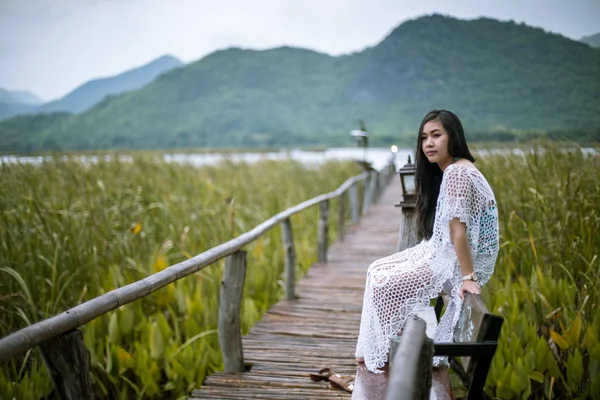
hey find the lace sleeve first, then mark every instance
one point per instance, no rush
(465, 194)
(456, 195)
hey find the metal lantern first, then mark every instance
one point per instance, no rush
(362, 138)
(407, 178)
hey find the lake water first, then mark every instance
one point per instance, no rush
(379, 157)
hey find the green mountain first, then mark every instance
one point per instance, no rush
(90, 93)
(500, 77)
(8, 109)
(13, 102)
(592, 40)
(19, 97)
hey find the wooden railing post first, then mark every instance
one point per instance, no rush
(354, 202)
(323, 228)
(408, 236)
(410, 363)
(230, 334)
(377, 189)
(68, 363)
(367, 194)
(290, 259)
(342, 215)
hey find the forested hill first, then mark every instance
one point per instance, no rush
(90, 93)
(19, 97)
(500, 77)
(592, 40)
(13, 102)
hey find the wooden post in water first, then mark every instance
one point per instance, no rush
(354, 203)
(343, 198)
(230, 334)
(290, 259)
(68, 363)
(322, 232)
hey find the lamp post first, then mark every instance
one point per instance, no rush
(362, 138)
(407, 235)
(407, 178)
(394, 152)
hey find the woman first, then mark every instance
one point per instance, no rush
(457, 218)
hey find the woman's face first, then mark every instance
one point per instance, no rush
(435, 143)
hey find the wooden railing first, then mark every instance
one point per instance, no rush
(61, 342)
(413, 356)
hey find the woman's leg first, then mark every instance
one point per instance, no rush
(394, 288)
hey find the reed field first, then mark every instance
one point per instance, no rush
(70, 231)
(547, 280)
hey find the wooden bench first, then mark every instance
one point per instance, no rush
(470, 354)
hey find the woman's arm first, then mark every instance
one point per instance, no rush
(458, 235)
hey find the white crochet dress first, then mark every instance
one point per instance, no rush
(398, 284)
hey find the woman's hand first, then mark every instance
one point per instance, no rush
(469, 287)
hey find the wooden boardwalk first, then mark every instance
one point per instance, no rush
(320, 328)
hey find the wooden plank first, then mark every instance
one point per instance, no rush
(320, 327)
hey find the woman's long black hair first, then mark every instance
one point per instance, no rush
(429, 175)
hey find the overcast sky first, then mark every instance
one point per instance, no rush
(51, 46)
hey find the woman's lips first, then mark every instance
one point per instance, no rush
(431, 152)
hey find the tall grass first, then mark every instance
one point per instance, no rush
(547, 281)
(71, 231)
